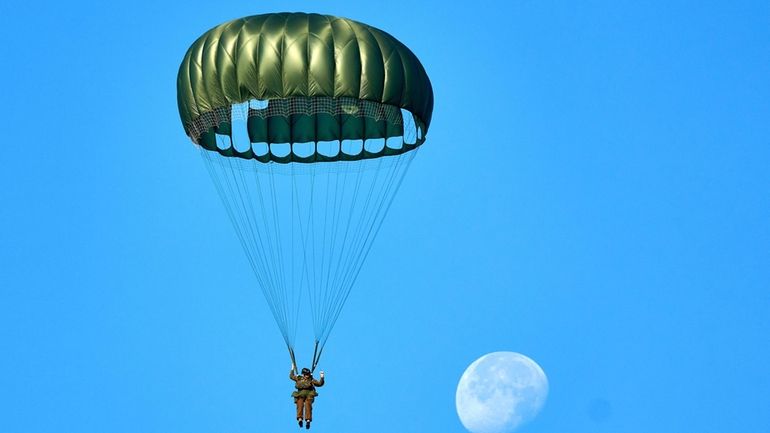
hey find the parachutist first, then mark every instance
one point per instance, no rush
(306, 146)
(305, 394)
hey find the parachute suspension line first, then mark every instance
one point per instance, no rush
(274, 292)
(331, 285)
(305, 231)
(334, 299)
(390, 188)
(236, 218)
(333, 243)
(327, 241)
(228, 199)
(313, 290)
(253, 226)
(255, 235)
(347, 240)
(272, 225)
(377, 222)
(323, 286)
(337, 248)
(276, 289)
(337, 208)
(310, 233)
(292, 273)
(279, 248)
(228, 207)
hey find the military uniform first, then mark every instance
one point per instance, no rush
(305, 393)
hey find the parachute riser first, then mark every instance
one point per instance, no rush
(316, 356)
(293, 361)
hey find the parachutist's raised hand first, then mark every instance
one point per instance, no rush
(322, 373)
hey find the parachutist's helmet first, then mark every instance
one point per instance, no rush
(305, 371)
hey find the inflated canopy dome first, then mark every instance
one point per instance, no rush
(304, 78)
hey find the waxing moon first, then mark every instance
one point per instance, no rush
(499, 392)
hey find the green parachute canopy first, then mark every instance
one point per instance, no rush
(307, 125)
(310, 78)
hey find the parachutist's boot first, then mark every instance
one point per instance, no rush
(307, 425)
(300, 422)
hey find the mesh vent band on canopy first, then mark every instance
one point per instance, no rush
(297, 105)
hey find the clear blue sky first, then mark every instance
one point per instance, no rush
(594, 193)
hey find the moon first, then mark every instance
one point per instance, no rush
(499, 392)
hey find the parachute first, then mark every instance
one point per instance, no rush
(307, 125)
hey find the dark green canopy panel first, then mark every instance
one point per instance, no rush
(306, 78)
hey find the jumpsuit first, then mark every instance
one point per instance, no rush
(305, 394)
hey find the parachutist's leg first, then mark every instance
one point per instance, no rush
(308, 410)
(300, 406)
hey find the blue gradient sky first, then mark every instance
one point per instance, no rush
(594, 193)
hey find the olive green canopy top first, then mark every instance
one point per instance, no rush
(299, 57)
